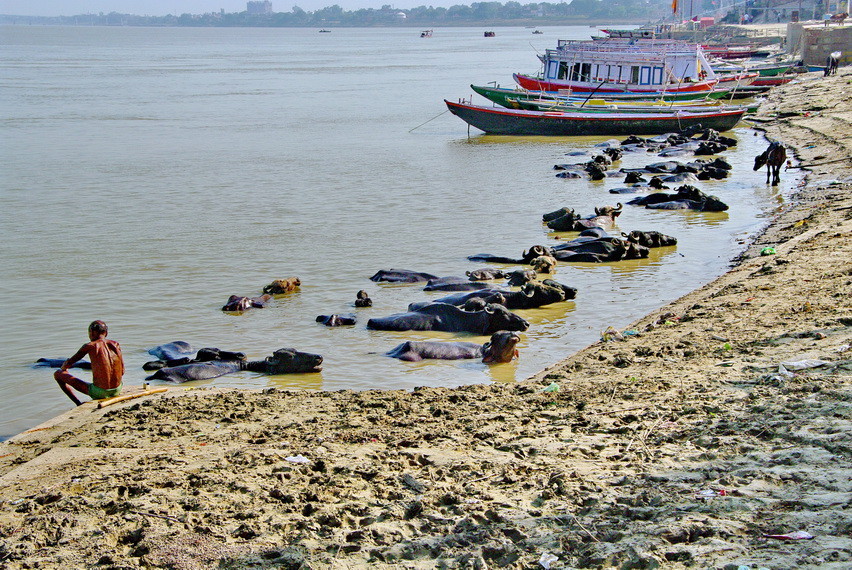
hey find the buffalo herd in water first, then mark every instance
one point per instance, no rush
(479, 308)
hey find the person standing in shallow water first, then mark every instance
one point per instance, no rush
(107, 367)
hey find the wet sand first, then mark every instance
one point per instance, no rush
(683, 445)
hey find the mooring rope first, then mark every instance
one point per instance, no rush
(820, 163)
(432, 119)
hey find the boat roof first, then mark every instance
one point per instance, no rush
(628, 46)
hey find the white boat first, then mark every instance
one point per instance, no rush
(623, 65)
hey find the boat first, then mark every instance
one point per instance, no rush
(507, 97)
(518, 122)
(490, 34)
(537, 32)
(773, 81)
(325, 31)
(618, 65)
(604, 106)
(426, 34)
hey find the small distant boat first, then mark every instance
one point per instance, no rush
(537, 32)
(490, 34)
(773, 81)
(502, 121)
(426, 34)
(325, 31)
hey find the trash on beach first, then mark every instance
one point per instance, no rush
(611, 334)
(630, 333)
(297, 459)
(798, 535)
(553, 387)
(547, 559)
(707, 493)
(803, 364)
(767, 251)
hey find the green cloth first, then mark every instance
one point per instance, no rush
(96, 393)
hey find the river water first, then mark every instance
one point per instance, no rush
(150, 173)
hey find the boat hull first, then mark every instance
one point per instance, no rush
(537, 84)
(501, 121)
(509, 97)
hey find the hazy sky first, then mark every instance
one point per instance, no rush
(176, 7)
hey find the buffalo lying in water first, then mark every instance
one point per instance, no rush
(449, 318)
(237, 304)
(501, 348)
(649, 239)
(685, 198)
(453, 284)
(282, 361)
(532, 295)
(603, 217)
(593, 249)
(337, 320)
(281, 286)
(526, 257)
(401, 276)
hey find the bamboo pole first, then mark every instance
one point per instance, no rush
(109, 401)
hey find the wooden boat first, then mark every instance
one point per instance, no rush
(509, 97)
(502, 121)
(489, 34)
(773, 81)
(325, 31)
(426, 34)
(618, 66)
(604, 106)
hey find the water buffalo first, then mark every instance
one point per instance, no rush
(449, 318)
(203, 355)
(526, 256)
(453, 284)
(599, 250)
(649, 239)
(569, 223)
(520, 277)
(544, 264)
(280, 286)
(685, 198)
(532, 295)
(773, 157)
(485, 274)
(58, 362)
(501, 348)
(550, 216)
(336, 320)
(282, 361)
(362, 299)
(401, 276)
(172, 350)
(238, 304)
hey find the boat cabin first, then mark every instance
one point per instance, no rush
(621, 64)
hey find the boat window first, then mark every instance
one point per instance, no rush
(657, 79)
(585, 71)
(634, 74)
(575, 72)
(620, 74)
(563, 70)
(645, 75)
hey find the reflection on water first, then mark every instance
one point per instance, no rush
(151, 224)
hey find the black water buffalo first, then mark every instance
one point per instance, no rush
(773, 158)
(685, 198)
(362, 299)
(172, 350)
(485, 274)
(237, 304)
(58, 362)
(532, 295)
(401, 276)
(501, 348)
(649, 239)
(282, 361)
(336, 320)
(550, 216)
(526, 256)
(599, 250)
(520, 277)
(203, 355)
(449, 318)
(453, 284)
(604, 217)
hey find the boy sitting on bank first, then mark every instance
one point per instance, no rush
(107, 367)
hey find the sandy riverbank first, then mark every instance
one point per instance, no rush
(622, 466)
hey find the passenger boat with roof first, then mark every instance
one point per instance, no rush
(614, 65)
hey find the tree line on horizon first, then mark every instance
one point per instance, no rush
(577, 11)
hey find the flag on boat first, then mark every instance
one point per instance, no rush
(674, 6)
